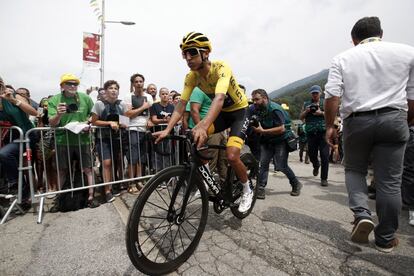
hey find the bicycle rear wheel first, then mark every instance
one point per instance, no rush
(159, 241)
(236, 188)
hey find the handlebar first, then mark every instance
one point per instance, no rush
(188, 139)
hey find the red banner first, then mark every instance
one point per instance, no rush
(91, 47)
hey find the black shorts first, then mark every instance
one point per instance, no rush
(237, 121)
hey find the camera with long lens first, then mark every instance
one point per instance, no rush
(313, 107)
(72, 108)
(254, 121)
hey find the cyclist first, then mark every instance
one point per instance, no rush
(228, 108)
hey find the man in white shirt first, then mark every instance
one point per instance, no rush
(138, 104)
(374, 81)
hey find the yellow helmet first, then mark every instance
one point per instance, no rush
(284, 106)
(68, 77)
(195, 40)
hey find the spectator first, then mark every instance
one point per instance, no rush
(24, 92)
(373, 80)
(93, 92)
(252, 138)
(66, 107)
(46, 159)
(198, 106)
(313, 115)
(14, 109)
(176, 98)
(171, 96)
(152, 90)
(160, 115)
(303, 143)
(407, 186)
(273, 126)
(335, 155)
(138, 104)
(108, 143)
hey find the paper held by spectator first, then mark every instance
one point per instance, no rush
(76, 127)
(123, 120)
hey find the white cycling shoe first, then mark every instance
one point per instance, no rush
(246, 201)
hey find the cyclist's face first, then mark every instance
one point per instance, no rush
(193, 57)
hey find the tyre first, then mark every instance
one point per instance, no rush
(236, 188)
(157, 240)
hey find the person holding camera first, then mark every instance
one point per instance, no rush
(64, 108)
(14, 111)
(273, 125)
(313, 115)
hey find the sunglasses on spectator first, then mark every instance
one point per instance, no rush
(193, 52)
(71, 83)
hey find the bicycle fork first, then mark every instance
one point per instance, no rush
(206, 177)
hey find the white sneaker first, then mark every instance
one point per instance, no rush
(246, 202)
(411, 218)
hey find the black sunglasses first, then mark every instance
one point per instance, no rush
(71, 83)
(193, 52)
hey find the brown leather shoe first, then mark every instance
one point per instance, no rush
(389, 247)
(361, 230)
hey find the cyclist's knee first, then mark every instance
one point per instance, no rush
(233, 155)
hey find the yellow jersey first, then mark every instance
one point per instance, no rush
(219, 79)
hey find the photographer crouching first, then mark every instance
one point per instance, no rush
(272, 124)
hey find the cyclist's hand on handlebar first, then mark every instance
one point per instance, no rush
(160, 135)
(200, 136)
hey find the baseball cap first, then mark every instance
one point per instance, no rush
(69, 77)
(315, 89)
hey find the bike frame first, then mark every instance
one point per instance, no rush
(197, 167)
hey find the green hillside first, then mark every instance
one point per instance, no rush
(296, 95)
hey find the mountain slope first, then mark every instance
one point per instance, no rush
(296, 93)
(291, 87)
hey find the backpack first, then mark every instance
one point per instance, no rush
(72, 201)
(137, 102)
(111, 112)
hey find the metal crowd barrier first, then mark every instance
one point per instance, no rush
(47, 149)
(16, 199)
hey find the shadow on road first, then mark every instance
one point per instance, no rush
(335, 233)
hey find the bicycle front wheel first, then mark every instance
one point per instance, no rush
(158, 239)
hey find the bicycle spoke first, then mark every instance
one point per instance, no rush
(193, 200)
(194, 212)
(152, 229)
(152, 217)
(157, 206)
(181, 238)
(168, 190)
(185, 232)
(161, 232)
(172, 244)
(192, 225)
(158, 227)
(193, 218)
(162, 238)
(162, 248)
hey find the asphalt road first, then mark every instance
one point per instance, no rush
(301, 235)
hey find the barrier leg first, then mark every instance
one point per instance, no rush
(40, 217)
(8, 211)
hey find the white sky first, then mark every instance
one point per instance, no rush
(267, 43)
